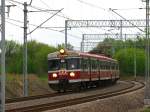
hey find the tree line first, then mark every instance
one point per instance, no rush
(37, 56)
(128, 53)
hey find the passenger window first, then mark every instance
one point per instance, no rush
(93, 64)
(102, 65)
(84, 64)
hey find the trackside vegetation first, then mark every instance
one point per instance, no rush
(127, 58)
(146, 110)
(37, 57)
(126, 52)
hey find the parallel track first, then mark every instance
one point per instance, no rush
(35, 97)
(19, 99)
(54, 105)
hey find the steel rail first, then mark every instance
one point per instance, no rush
(55, 94)
(59, 104)
(20, 99)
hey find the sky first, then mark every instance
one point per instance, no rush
(72, 9)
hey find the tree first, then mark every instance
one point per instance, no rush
(126, 60)
(37, 57)
(123, 51)
(13, 52)
(69, 46)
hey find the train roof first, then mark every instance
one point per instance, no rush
(81, 54)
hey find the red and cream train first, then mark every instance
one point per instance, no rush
(75, 70)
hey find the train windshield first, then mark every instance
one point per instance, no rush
(69, 64)
(73, 63)
(54, 64)
(63, 64)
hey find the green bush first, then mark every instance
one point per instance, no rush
(126, 60)
(37, 57)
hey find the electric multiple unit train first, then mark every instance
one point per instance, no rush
(76, 70)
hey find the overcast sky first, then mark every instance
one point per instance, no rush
(73, 9)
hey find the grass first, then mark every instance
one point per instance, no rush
(38, 84)
(43, 77)
(129, 77)
(126, 77)
(146, 110)
(11, 77)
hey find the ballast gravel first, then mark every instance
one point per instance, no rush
(130, 102)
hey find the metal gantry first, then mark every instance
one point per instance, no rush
(90, 41)
(105, 23)
(108, 35)
(121, 24)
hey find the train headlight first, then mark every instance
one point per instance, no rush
(62, 51)
(72, 74)
(54, 75)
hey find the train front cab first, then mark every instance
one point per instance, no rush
(81, 71)
(67, 74)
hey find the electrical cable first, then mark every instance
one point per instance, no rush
(16, 2)
(15, 5)
(92, 5)
(14, 24)
(18, 21)
(130, 8)
(36, 25)
(74, 36)
(41, 9)
(45, 21)
(126, 19)
(37, 8)
(50, 8)
(45, 4)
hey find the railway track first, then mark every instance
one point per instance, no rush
(19, 99)
(69, 102)
(35, 97)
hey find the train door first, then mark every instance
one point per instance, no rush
(92, 74)
(114, 70)
(89, 69)
(102, 70)
(117, 70)
(94, 69)
(85, 74)
(83, 69)
(99, 69)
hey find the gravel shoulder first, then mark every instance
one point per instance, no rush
(118, 86)
(130, 102)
